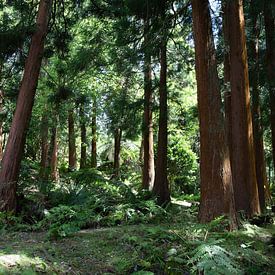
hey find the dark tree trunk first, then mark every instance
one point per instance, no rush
(161, 185)
(14, 150)
(118, 135)
(243, 158)
(141, 153)
(1, 125)
(72, 147)
(54, 153)
(43, 174)
(94, 138)
(83, 150)
(269, 20)
(217, 196)
(256, 111)
(148, 139)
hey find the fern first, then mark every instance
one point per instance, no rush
(212, 259)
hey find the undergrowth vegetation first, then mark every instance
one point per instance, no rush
(143, 238)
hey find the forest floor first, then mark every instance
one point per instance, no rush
(144, 249)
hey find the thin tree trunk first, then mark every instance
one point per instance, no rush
(1, 125)
(217, 196)
(54, 154)
(148, 176)
(161, 185)
(243, 158)
(94, 138)
(118, 135)
(256, 111)
(72, 147)
(83, 151)
(269, 20)
(14, 150)
(141, 153)
(44, 147)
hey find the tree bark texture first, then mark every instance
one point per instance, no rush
(227, 94)
(161, 185)
(243, 158)
(83, 150)
(256, 111)
(118, 135)
(269, 20)
(1, 125)
(148, 176)
(72, 146)
(15, 146)
(94, 137)
(217, 196)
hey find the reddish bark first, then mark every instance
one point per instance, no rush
(161, 185)
(118, 135)
(243, 158)
(269, 20)
(72, 147)
(148, 175)
(44, 147)
(94, 138)
(217, 197)
(227, 94)
(256, 111)
(15, 145)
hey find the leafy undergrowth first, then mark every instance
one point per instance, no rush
(92, 225)
(177, 248)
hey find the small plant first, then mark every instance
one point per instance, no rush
(212, 259)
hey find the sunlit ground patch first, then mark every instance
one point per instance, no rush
(18, 263)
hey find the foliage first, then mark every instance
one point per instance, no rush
(182, 166)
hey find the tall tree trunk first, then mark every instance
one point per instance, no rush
(269, 19)
(118, 135)
(1, 125)
(256, 111)
(83, 150)
(54, 153)
(44, 147)
(94, 137)
(161, 185)
(217, 196)
(227, 94)
(243, 158)
(72, 147)
(14, 150)
(148, 176)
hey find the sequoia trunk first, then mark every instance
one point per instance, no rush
(148, 139)
(217, 197)
(256, 112)
(72, 147)
(269, 20)
(161, 185)
(94, 137)
(1, 125)
(243, 159)
(118, 135)
(54, 153)
(15, 145)
(83, 150)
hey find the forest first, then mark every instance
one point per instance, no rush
(137, 137)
